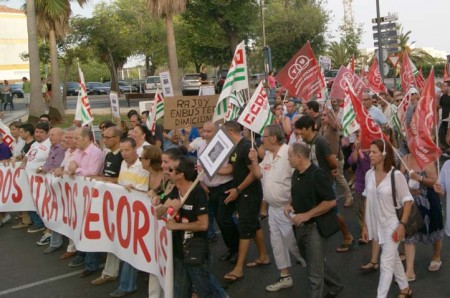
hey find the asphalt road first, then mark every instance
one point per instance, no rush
(27, 272)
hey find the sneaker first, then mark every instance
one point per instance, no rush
(6, 218)
(282, 283)
(35, 229)
(20, 226)
(78, 261)
(45, 239)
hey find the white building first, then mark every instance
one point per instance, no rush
(13, 43)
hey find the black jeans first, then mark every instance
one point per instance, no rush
(312, 248)
(224, 215)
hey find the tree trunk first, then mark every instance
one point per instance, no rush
(66, 77)
(234, 40)
(56, 109)
(113, 71)
(147, 66)
(173, 59)
(37, 106)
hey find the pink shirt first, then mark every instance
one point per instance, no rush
(271, 81)
(89, 161)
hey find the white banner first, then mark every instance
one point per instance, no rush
(97, 216)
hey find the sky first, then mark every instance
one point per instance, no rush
(425, 19)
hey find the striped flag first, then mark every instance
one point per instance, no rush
(420, 81)
(159, 101)
(237, 79)
(151, 118)
(401, 112)
(257, 114)
(234, 107)
(83, 108)
(349, 123)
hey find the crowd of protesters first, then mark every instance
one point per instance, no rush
(292, 169)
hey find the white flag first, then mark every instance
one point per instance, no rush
(237, 79)
(159, 104)
(257, 114)
(83, 109)
(151, 118)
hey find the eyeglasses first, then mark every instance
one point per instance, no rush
(266, 136)
(106, 137)
(142, 158)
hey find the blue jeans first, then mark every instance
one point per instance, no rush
(56, 239)
(128, 278)
(211, 226)
(36, 219)
(186, 276)
(91, 261)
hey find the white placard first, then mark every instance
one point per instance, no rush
(207, 90)
(115, 110)
(166, 83)
(145, 106)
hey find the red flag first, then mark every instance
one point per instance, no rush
(420, 82)
(420, 143)
(406, 73)
(369, 129)
(445, 73)
(339, 85)
(351, 64)
(374, 78)
(301, 76)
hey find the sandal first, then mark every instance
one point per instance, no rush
(405, 295)
(344, 247)
(370, 267)
(434, 266)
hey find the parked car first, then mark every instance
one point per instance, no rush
(152, 84)
(95, 88)
(124, 87)
(16, 90)
(330, 75)
(190, 83)
(72, 88)
(255, 79)
(221, 76)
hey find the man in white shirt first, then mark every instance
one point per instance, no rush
(276, 174)
(18, 143)
(33, 162)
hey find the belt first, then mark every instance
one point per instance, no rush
(220, 185)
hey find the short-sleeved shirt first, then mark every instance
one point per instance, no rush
(17, 146)
(444, 102)
(240, 161)
(113, 162)
(319, 150)
(195, 205)
(26, 87)
(203, 77)
(310, 188)
(38, 154)
(134, 175)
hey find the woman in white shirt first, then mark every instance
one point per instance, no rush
(143, 137)
(381, 221)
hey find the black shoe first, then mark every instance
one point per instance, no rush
(86, 273)
(226, 256)
(334, 292)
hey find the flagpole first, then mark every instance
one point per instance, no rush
(437, 143)
(399, 105)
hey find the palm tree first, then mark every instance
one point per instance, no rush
(53, 21)
(167, 9)
(338, 53)
(36, 106)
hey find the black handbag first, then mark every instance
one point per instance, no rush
(195, 251)
(415, 220)
(327, 223)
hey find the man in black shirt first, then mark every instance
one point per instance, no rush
(312, 195)
(444, 103)
(190, 222)
(321, 155)
(247, 191)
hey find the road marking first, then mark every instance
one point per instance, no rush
(38, 283)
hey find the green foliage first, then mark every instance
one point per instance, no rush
(351, 36)
(290, 24)
(339, 54)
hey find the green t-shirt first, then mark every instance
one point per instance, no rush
(26, 87)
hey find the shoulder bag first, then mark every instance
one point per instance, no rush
(415, 220)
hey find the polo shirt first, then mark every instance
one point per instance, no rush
(134, 175)
(113, 162)
(310, 188)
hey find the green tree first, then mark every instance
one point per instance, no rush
(53, 22)
(290, 24)
(167, 9)
(351, 36)
(106, 36)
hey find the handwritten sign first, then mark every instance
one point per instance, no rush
(180, 111)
